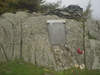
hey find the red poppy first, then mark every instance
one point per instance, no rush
(79, 51)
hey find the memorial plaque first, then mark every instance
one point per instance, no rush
(56, 29)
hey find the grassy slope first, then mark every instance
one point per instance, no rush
(22, 68)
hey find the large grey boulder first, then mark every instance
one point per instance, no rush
(26, 35)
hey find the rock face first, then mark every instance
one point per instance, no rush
(24, 35)
(93, 44)
(70, 12)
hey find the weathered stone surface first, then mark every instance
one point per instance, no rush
(26, 33)
(92, 44)
(96, 64)
(70, 12)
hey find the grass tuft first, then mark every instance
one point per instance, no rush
(23, 68)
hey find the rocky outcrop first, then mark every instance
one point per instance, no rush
(70, 12)
(24, 35)
(92, 44)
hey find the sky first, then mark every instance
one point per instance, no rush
(83, 3)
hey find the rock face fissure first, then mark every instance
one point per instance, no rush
(24, 35)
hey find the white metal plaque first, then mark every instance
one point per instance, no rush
(56, 30)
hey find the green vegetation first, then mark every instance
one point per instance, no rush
(20, 68)
(49, 7)
(23, 68)
(15, 5)
(91, 36)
